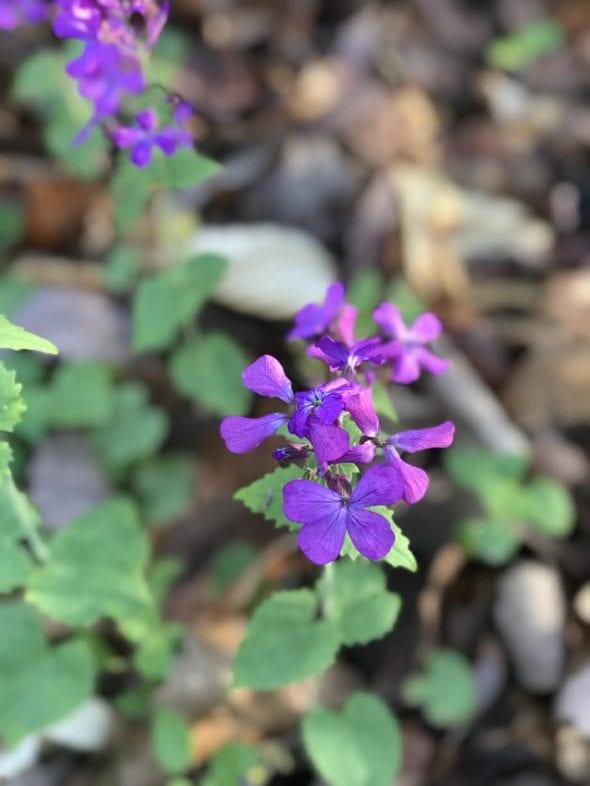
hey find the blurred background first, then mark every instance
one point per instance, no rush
(434, 152)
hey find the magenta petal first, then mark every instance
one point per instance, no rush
(421, 439)
(406, 369)
(432, 363)
(141, 155)
(330, 409)
(362, 410)
(126, 137)
(359, 454)
(330, 442)
(427, 327)
(371, 534)
(244, 434)
(322, 542)
(346, 323)
(389, 319)
(267, 377)
(379, 486)
(309, 503)
(415, 480)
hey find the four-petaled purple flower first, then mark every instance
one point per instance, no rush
(415, 480)
(313, 320)
(327, 516)
(146, 134)
(407, 349)
(347, 359)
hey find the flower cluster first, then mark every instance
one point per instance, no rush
(336, 424)
(117, 37)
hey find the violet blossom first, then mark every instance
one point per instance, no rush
(147, 134)
(327, 515)
(313, 319)
(19, 12)
(407, 348)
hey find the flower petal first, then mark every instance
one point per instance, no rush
(415, 480)
(330, 442)
(421, 439)
(371, 533)
(267, 377)
(362, 410)
(406, 368)
(330, 409)
(307, 502)
(389, 319)
(322, 542)
(244, 434)
(346, 324)
(336, 353)
(313, 319)
(379, 486)
(427, 327)
(430, 362)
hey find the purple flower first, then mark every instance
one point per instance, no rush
(17, 12)
(347, 359)
(81, 18)
(407, 350)
(146, 135)
(105, 76)
(327, 516)
(415, 480)
(313, 320)
(266, 377)
(324, 403)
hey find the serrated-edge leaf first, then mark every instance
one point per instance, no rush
(265, 495)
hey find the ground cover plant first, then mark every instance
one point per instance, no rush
(178, 373)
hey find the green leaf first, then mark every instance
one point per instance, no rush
(14, 337)
(12, 405)
(171, 740)
(131, 187)
(39, 685)
(209, 370)
(383, 402)
(265, 495)
(231, 764)
(12, 223)
(134, 431)
(475, 469)
(445, 690)
(547, 505)
(96, 570)
(15, 564)
(493, 541)
(359, 746)
(169, 300)
(400, 555)
(186, 168)
(525, 46)
(285, 642)
(365, 292)
(154, 654)
(122, 268)
(355, 596)
(80, 395)
(165, 487)
(230, 563)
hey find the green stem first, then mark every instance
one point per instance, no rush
(28, 520)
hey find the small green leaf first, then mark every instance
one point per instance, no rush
(355, 596)
(134, 431)
(359, 746)
(365, 292)
(165, 487)
(131, 187)
(96, 570)
(265, 495)
(400, 555)
(171, 740)
(39, 685)
(154, 654)
(12, 405)
(547, 505)
(231, 764)
(525, 46)
(169, 300)
(445, 691)
(209, 370)
(475, 469)
(15, 564)
(14, 337)
(493, 541)
(285, 642)
(80, 395)
(122, 268)
(185, 169)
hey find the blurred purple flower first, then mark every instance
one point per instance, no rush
(415, 480)
(146, 135)
(18, 12)
(327, 516)
(347, 359)
(407, 349)
(313, 320)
